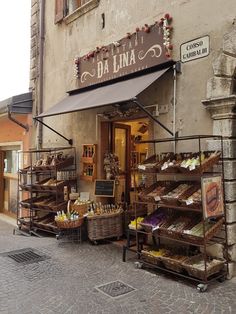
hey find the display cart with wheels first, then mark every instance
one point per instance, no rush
(188, 210)
(45, 178)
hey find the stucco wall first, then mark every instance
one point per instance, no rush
(191, 19)
(11, 132)
(63, 42)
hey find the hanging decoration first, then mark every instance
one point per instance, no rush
(164, 23)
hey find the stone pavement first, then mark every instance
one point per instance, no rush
(66, 282)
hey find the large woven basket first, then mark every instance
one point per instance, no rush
(149, 258)
(193, 271)
(105, 226)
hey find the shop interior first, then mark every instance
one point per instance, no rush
(125, 133)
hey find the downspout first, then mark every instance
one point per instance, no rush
(26, 127)
(41, 68)
(174, 107)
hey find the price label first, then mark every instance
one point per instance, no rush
(155, 228)
(192, 167)
(165, 166)
(142, 167)
(157, 198)
(189, 201)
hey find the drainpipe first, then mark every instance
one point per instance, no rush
(41, 68)
(174, 106)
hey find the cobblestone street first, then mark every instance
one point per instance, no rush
(67, 281)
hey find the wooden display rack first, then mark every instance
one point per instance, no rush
(89, 160)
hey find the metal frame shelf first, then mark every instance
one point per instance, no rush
(31, 172)
(202, 283)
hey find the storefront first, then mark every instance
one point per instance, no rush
(112, 88)
(15, 117)
(125, 86)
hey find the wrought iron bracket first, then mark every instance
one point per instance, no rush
(70, 141)
(137, 102)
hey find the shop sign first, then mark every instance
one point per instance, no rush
(195, 49)
(136, 52)
(212, 196)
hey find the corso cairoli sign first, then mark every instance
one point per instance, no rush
(144, 49)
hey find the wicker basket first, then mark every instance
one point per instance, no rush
(185, 196)
(147, 226)
(150, 259)
(209, 162)
(151, 160)
(173, 263)
(105, 226)
(176, 234)
(175, 200)
(188, 265)
(81, 209)
(208, 235)
(60, 165)
(143, 196)
(70, 224)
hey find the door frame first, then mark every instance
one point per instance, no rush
(127, 153)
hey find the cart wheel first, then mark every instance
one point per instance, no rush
(202, 287)
(222, 279)
(138, 265)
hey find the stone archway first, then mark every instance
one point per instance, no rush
(221, 103)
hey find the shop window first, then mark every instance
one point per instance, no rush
(69, 10)
(11, 161)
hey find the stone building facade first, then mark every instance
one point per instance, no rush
(204, 91)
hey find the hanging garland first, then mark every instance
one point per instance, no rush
(164, 24)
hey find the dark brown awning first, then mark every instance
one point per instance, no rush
(106, 95)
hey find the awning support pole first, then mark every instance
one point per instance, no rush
(70, 141)
(26, 127)
(135, 100)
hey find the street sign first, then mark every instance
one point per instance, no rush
(195, 49)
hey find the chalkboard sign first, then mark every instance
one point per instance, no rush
(104, 188)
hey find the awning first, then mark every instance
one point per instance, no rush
(18, 104)
(106, 95)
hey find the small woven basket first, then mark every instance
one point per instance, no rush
(70, 224)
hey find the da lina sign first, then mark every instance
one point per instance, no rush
(195, 49)
(144, 49)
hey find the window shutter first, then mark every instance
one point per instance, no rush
(59, 10)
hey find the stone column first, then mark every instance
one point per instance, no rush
(221, 103)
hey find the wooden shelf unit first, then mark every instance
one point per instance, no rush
(89, 162)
